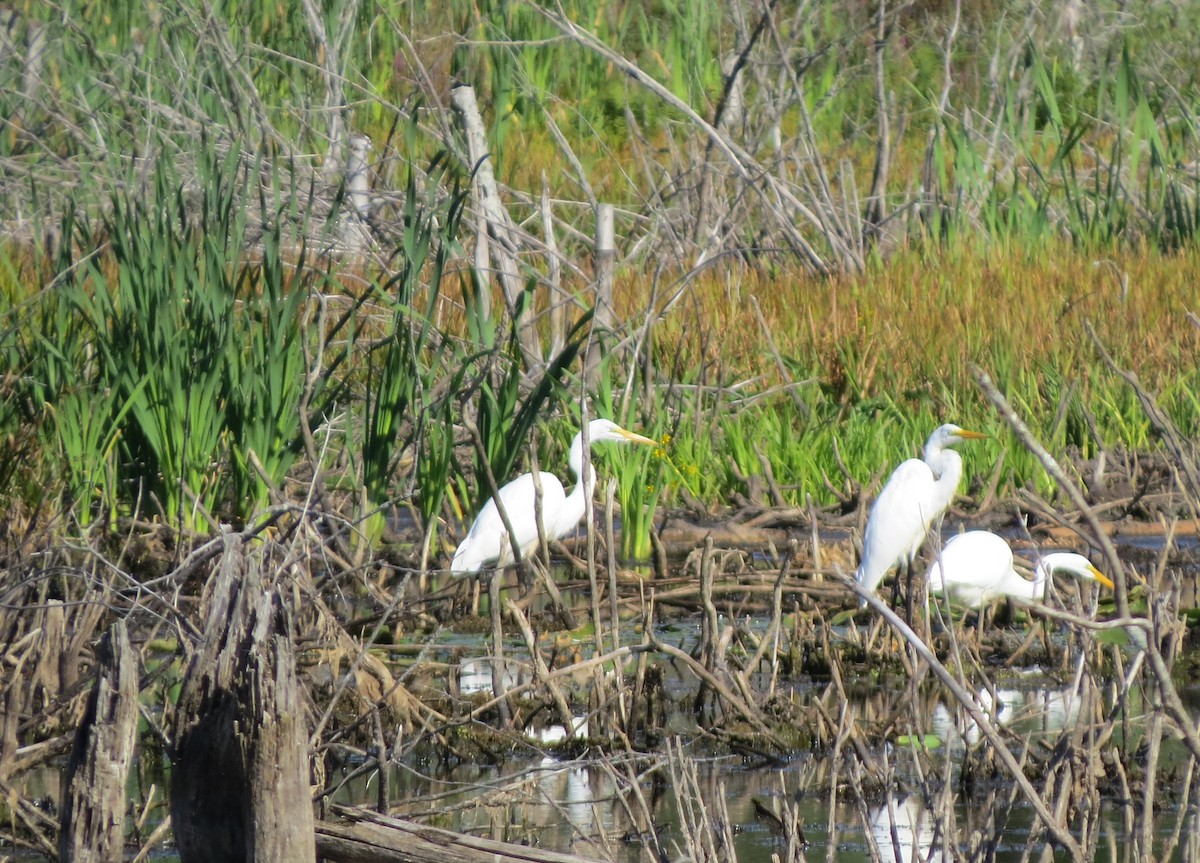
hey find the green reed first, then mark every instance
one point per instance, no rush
(266, 369)
(403, 367)
(642, 474)
(162, 325)
(166, 366)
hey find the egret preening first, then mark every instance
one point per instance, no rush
(915, 496)
(976, 568)
(488, 544)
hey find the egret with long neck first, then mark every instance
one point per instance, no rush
(916, 495)
(488, 544)
(976, 568)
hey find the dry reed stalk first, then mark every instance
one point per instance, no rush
(499, 689)
(1170, 696)
(541, 672)
(1052, 824)
(704, 820)
(709, 624)
(496, 238)
(641, 694)
(771, 637)
(748, 711)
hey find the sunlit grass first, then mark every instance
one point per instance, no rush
(1086, 220)
(879, 360)
(915, 324)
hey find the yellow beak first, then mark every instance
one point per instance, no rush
(634, 437)
(1101, 577)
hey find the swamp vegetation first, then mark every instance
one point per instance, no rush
(287, 290)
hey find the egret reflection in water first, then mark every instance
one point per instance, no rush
(475, 675)
(903, 829)
(1041, 710)
(566, 787)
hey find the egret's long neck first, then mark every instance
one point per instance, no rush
(575, 506)
(575, 456)
(1041, 575)
(575, 460)
(947, 469)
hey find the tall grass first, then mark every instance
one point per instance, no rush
(167, 366)
(168, 370)
(404, 366)
(267, 370)
(160, 324)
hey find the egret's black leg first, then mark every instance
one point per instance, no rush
(908, 592)
(896, 586)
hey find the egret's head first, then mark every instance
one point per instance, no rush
(607, 430)
(951, 435)
(1076, 565)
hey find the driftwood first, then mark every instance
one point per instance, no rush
(368, 837)
(240, 783)
(93, 813)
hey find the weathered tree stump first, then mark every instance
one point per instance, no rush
(240, 782)
(93, 806)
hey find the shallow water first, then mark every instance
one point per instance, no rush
(572, 805)
(575, 805)
(565, 806)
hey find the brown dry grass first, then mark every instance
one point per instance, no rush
(919, 317)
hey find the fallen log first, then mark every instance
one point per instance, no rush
(368, 837)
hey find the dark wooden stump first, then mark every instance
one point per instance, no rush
(93, 808)
(239, 786)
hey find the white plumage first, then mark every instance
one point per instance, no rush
(487, 543)
(917, 494)
(976, 568)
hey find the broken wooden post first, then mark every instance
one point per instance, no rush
(605, 267)
(557, 298)
(240, 780)
(356, 209)
(495, 231)
(93, 807)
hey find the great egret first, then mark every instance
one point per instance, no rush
(488, 544)
(917, 493)
(976, 568)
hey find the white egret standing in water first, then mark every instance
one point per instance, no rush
(976, 568)
(915, 496)
(488, 544)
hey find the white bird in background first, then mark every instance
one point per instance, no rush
(976, 568)
(488, 544)
(917, 494)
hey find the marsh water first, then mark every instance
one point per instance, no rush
(570, 800)
(556, 801)
(563, 794)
